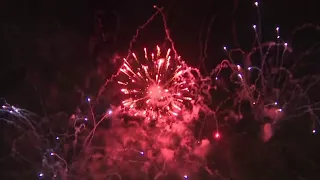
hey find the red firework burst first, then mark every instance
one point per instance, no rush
(156, 86)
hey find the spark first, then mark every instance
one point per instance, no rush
(225, 48)
(217, 135)
(238, 67)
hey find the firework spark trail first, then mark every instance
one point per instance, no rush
(135, 37)
(28, 126)
(274, 92)
(241, 73)
(133, 40)
(19, 116)
(167, 31)
(203, 52)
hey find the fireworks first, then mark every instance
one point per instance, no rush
(157, 85)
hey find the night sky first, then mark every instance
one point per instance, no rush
(51, 51)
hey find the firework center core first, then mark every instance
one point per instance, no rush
(155, 92)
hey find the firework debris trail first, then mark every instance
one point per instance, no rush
(30, 128)
(268, 82)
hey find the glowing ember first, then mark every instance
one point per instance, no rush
(217, 135)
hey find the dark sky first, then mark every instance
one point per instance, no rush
(185, 18)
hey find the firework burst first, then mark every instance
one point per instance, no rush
(157, 86)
